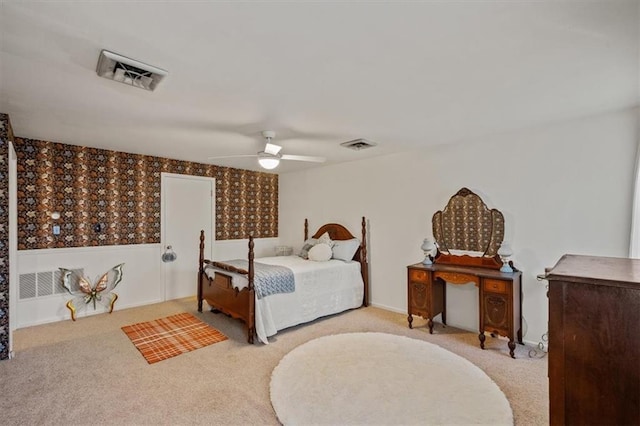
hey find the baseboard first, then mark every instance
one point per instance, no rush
(388, 308)
(87, 313)
(461, 327)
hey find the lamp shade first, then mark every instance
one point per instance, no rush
(268, 163)
(505, 250)
(427, 245)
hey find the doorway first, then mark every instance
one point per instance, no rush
(188, 206)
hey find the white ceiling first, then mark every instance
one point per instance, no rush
(402, 74)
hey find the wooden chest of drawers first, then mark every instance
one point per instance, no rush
(594, 341)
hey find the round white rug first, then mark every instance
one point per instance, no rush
(379, 378)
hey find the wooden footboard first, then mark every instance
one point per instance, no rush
(220, 294)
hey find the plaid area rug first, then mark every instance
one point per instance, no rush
(171, 336)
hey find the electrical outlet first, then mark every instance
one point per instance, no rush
(56, 229)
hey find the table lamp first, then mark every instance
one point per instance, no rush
(427, 248)
(505, 253)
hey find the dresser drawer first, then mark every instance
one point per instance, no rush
(418, 299)
(496, 286)
(418, 275)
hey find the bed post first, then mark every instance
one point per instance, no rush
(364, 265)
(306, 229)
(200, 270)
(251, 256)
(251, 321)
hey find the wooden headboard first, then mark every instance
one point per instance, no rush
(467, 224)
(335, 230)
(339, 233)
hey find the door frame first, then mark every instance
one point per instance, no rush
(210, 238)
(13, 243)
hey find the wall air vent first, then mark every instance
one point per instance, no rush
(129, 71)
(38, 284)
(358, 144)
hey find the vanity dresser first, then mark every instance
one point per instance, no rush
(468, 236)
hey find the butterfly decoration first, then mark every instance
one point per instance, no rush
(101, 292)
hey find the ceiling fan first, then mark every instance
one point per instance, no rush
(270, 157)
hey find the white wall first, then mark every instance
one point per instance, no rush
(239, 249)
(141, 283)
(564, 188)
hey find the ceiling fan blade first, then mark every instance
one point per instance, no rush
(232, 156)
(271, 148)
(304, 158)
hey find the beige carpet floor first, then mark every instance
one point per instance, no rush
(88, 372)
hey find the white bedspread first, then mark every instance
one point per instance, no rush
(322, 288)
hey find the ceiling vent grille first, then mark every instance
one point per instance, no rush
(358, 144)
(129, 71)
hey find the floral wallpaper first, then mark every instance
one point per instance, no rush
(6, 136)
(111, 198)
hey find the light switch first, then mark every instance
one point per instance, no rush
(56, 229)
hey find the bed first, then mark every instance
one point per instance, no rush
(321, 288)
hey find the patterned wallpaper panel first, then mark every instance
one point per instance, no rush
(120, 193)
(466, 223)
(6, 136)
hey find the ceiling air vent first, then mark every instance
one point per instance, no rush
(358, 144)
(129, 71)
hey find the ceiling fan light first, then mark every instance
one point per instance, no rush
(269, 163)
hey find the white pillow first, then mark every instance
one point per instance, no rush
(321, 252)
(326, 239)
(304, 252)
(344, 250)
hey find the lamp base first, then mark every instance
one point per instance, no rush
(427, 261)
(506, 268)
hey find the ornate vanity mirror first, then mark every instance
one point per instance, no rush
(467, 232)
